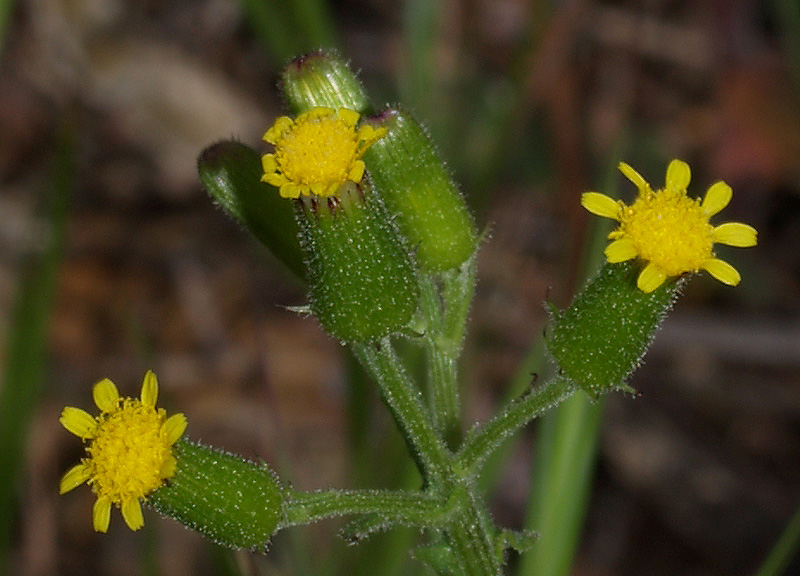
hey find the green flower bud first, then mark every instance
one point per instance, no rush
(363, 284)
(231, 174)
(602, 337)
(416, 187)
(235, 502)
(322, 79)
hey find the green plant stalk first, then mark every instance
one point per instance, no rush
(472, 542)
(421, 32)
(317, 22)
(483, 440)
(26, 356)
(396, 506)
(566, 441)
(6, 6)
(289, 28)
(788, 18)
(403, 399)
(784, 550)
(445, 301)
(442, 357)
(561, 485)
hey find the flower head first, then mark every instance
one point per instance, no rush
(128, 452)
(670, 231)
(317, 152)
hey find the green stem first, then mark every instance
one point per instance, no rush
(482, 441)
(404, 401)
(561, 485)
(784, 550)
(416, 508)
(26, 355)
(442, 357)
(471, 539)
(446, 298)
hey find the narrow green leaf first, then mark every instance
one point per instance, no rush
(26, 356)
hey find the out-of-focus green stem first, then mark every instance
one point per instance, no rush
(561, 486)
(6, 6)
(26, 356)
(567, 440)
(418, 84)
(290, 27)
(788, 19)
(785, 549)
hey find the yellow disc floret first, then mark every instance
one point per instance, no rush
(129, 450)
(317, 152)
(669, 231)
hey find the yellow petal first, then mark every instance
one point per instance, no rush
(106, 395)
(356, 171)
(277, 130)
(601, 205)
(678, 175)
(651, 278)
(634, 177)
(620, 250)
(349, 117)
(368, 135)
(275, 179)
(150, 389)
(716, 198)
(289, 190)
(79, 422)
(74, 477)
(101, 514)
(269, 164)
(132, 514)
(722, 271)
(174, 427)
(735, 234)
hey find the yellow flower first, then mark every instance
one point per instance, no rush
(317, 152)
(670, 231)
(129, 451)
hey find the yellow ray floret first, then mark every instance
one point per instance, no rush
(669, 231)
(128, 450)
(317, 152)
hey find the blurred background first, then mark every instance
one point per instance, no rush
(113, 260)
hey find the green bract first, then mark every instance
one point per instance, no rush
(231, 174)
(415, 185)
(601, 338)
(233, 501)
(322, 79)
(363, 284)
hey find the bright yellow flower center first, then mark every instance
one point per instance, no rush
(668, 229)
(317, 152)
(129, 452)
